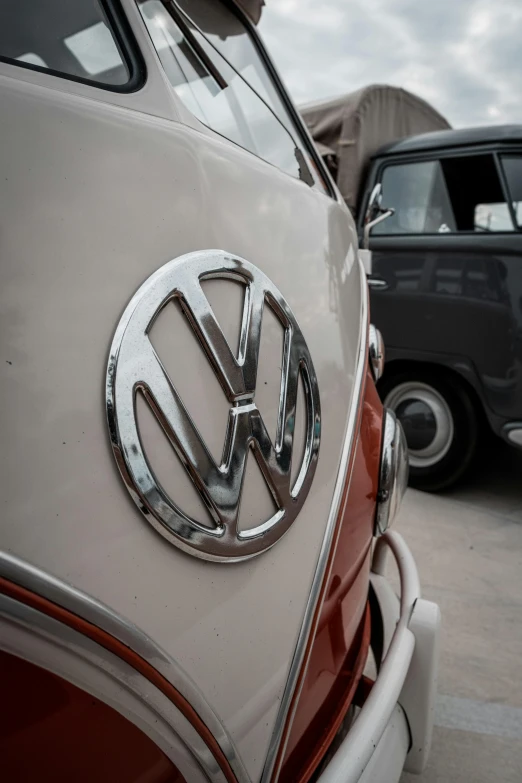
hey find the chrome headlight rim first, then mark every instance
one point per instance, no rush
(393, 472)
(376, 351)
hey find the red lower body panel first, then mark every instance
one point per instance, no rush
(339, 645)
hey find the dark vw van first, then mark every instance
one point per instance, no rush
(446, 288)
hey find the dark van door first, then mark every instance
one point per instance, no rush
(446, 293)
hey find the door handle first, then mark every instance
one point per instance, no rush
(378, 283)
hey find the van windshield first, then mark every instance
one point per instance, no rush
(217, 93)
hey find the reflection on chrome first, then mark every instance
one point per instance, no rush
(134, 367)
(393, 477)
(377, 356)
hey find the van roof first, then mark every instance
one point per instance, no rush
(462, 137)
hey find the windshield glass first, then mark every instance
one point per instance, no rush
(215, 92)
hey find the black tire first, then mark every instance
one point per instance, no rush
(459, 431)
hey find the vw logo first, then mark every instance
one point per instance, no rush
(134, 367)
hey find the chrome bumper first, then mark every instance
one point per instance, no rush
(394, 727)
(512, 432)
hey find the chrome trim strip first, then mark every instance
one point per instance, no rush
(357, 748)
(393, 474)
(376, 350)
(35, 637)
(317, 582)
(67, 596)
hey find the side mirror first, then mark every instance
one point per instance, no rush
(374, 214)
(374, 204)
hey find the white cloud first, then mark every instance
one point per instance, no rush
(479, 23)
(464, 57)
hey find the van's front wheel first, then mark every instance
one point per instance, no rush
(440, 424)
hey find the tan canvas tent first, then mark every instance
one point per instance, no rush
(353, 127)
(253, 8)
(212, 20)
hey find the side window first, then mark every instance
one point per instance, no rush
(76, 40)
(444, 196)
(513, 170)
(214, 91)
(418, 194)
(476, 193)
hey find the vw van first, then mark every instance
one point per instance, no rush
(446, 278)
(198, 476)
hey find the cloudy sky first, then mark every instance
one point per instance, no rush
(463, 56)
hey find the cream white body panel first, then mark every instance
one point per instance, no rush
(94, 199)
(393, 729)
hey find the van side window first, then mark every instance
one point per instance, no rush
(512, 165)
(444, 196)
(418, 193)
(214, 91)
(72, 39)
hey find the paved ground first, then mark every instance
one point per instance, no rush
(468, 545)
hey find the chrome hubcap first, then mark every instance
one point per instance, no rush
(427, 421)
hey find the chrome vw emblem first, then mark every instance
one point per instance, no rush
(134, 366)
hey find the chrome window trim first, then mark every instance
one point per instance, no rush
(49, 644)
(313, 597)
(37, 581)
